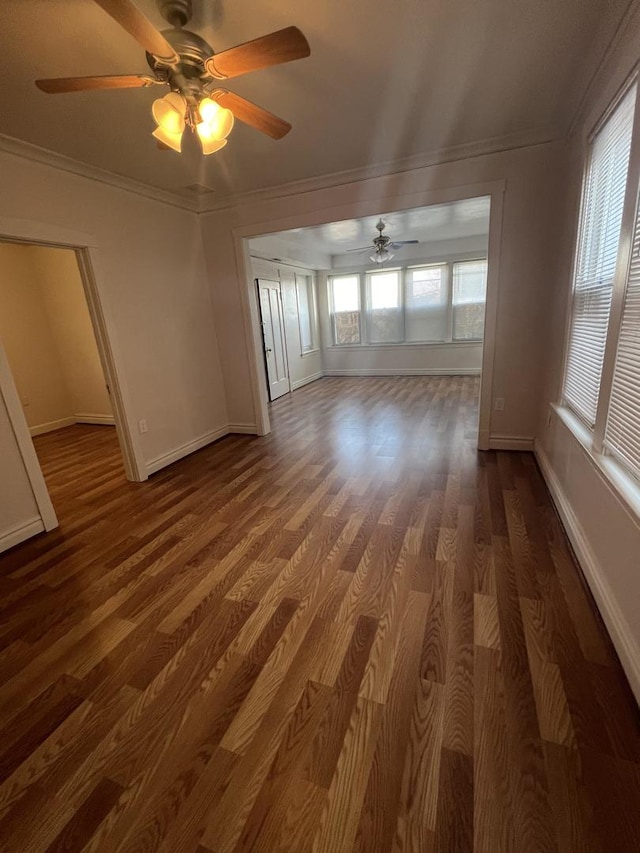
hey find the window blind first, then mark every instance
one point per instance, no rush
(426, 303)
(384, 307)
(469, 294)
(600, 221)
(622, 435)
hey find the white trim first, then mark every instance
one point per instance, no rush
(9, 394)
(450, 154)
(51, 426)
(511, 442)
(27, 151)
(19, 533)
(403, 344)
(185, 449)
(627, 647)
(306, 381)
(107, 420)
(405, 371)
(243, 429)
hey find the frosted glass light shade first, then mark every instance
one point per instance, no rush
(381, 257)
(217, 119)
(168, 112)
(173, 140)
(209, 143)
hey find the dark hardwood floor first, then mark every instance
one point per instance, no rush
(355, 634)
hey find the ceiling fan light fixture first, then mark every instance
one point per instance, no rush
(217, 121)
(168, 112)
(381, 256)
(173, 140)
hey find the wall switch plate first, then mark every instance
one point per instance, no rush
(498, 404)
(142, 425)
(26, 401)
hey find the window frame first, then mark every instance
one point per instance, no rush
(363, 273)
(332, 312)
(619, 475)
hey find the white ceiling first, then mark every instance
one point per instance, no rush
(439, 222)
(384, 81)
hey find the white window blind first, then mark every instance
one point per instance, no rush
(600, 221)
(306, 314)
(622, 435)
(384, 307)
(469, 294)
(426, 303)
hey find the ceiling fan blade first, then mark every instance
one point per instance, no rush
(252, 114)
(58, 85)
(140, 27)
(398, 243)
(363, 249)
(274, 49)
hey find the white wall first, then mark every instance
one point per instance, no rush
(303, 367)
(46, 330)
(604, 531)
(153, 286)
(530, 226)
(61, 289)
(29, 342)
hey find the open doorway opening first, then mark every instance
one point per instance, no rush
(50, 348)
(398, 294)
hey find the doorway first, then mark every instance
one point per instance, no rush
(273, 334)
(58, 382)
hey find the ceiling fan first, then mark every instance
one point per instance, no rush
(382, 245)
(182, 60)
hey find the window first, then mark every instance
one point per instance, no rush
(622, 435)
(603, 197)
(602, 372)
(431, 303)
(345, 295)
(384, 307)
(469, 292)
(427, 304)
(306, 312)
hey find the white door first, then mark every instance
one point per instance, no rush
(275, 348)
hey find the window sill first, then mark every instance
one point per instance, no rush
(622, 484)
(313, 351)
(406, 344)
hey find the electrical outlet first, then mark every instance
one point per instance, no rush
(142, 425)
(498, 404)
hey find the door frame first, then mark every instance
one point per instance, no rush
(354, 210)
(85, 247)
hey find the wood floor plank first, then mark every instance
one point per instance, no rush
(356, 634)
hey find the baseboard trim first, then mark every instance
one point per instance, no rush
(405, 371)
(306, 381)
(50, 426)
(107, 420)
(243, 429)
(185, 449)
(626, 646)
(18, 534)
(511, 442)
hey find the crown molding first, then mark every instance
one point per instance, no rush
(28, 151)
(480, 148)
(483, 147)
(584, 99)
